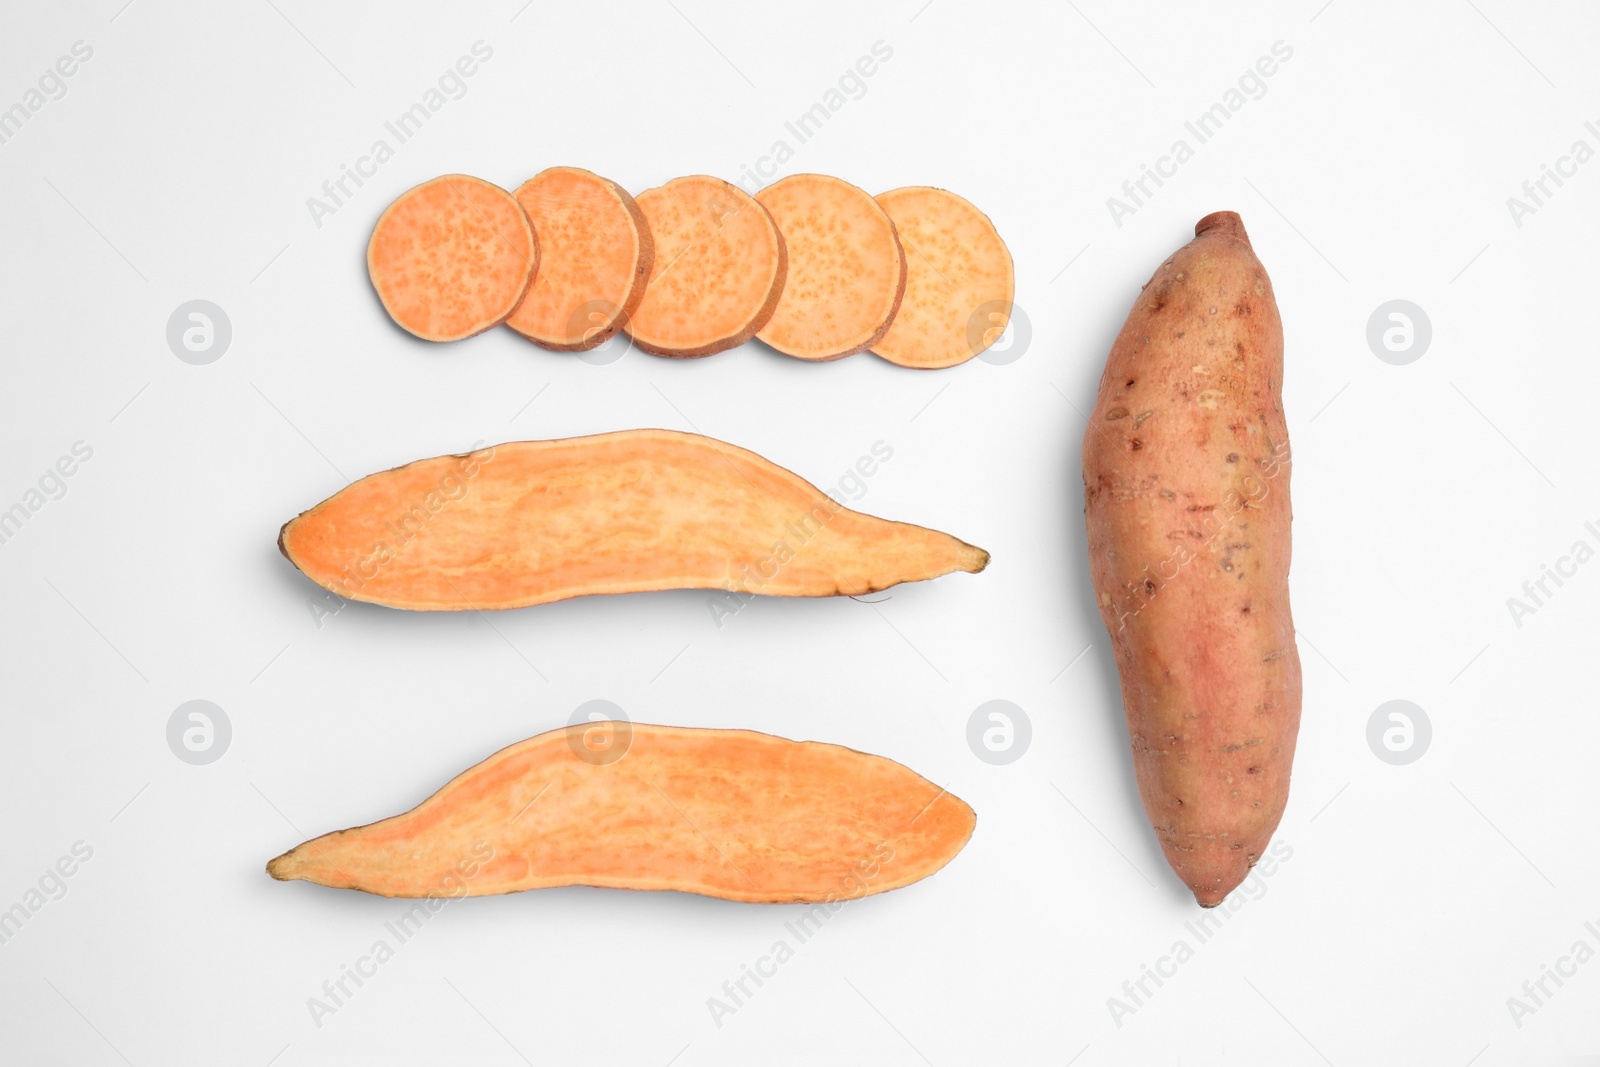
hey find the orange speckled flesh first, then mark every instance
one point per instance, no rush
(595, 256)
(846, 269)
(537, 521)
(959, 280)
(452, 257)
(720, 265)
(725, 813)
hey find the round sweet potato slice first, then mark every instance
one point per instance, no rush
(959, 280)
(719, 268)
(595, 254)
(452, 257)
(846, 269)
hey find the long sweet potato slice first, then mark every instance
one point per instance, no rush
(538, 521)
(595, 255)
(719, 268)
(959, 280)
(724, 813)
(452, 257)
(846, 269)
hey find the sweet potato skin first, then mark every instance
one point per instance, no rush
(1186, 490)
(733, 814)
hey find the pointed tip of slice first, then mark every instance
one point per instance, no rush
(974, 559)
(283, 867)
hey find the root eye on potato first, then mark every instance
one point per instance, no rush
(1176, 579)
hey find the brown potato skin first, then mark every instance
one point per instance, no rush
(1186, 492)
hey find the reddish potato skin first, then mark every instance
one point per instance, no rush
(1186, 493)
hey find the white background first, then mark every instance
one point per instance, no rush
(1376, 166)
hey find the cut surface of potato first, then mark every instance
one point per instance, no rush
(725, 813)
(452, 257)
(846, 270)
(538, 521)
(595, 254)
(719, 268)
(959, 280)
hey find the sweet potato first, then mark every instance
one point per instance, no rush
(959, 280)
(724, 813)
(719, 268)
(595, 255)
(538, 521)
(452, 257)
(846, 269)
(1186, 489)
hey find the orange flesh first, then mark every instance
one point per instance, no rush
(846, 269)
(595, 255)
(452, 257)
(725, 813)
(719, 268)
(959, 280)
(538, 521)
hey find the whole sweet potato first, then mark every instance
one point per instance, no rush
(1186, 490)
